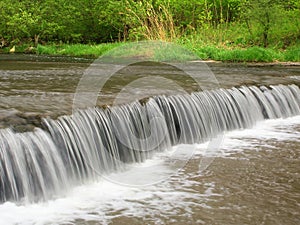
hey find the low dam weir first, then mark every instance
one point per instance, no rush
(71, 150)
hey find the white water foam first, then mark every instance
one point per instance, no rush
(276, 130)
(106, 200)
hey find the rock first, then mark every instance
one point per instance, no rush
(12, 50)
(30, 50)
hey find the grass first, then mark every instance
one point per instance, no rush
(76, 49)
(203, 51)
(292, 54)
(238, 51)
(251, 54)
(151, 51)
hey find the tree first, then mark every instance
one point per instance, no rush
(262, 16)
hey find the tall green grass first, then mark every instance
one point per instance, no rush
(292, 54)
(204, 51)
(251, 54)
(236, 50)
(76, 49)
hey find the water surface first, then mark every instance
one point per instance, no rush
(39, 86)
(254, 179)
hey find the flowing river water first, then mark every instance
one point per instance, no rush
(254, 178)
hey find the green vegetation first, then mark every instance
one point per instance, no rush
(205, 52)
(230, 30)
(76, 49)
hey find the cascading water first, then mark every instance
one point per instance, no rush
(73, 149)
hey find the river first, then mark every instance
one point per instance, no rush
(253, 179)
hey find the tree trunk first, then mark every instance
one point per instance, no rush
(36, 40)
(266, 30)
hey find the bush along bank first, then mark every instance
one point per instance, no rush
(209, 52)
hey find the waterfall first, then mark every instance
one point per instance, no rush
(74, 149)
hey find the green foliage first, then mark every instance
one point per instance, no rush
(252, 54)
(225, 24)
(193, 14)
(292, 54)
(76, 49)
(54, 20)
(28, 20)
(168, 51)
(272, 21)
(139, 19)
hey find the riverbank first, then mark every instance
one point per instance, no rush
(205, 52)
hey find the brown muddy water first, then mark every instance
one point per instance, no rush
(254, 178)
(34, 87)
